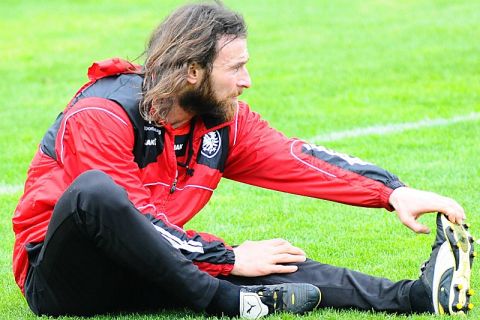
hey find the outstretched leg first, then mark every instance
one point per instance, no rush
(343, 288)
(444, 286)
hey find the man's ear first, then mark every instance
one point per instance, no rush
(194, 73)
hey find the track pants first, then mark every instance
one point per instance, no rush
(100, 255)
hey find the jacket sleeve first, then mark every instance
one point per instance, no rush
(208, 252)
(97, 134)
(264, 157)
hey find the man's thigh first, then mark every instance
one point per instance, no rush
(70, 275)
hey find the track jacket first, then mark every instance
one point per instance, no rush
(171, 174)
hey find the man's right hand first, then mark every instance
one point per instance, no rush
(411, 203)
(260, 258)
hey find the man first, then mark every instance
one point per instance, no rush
(138, 152)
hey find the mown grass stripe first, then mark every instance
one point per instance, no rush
(10, 189)
(394, 128)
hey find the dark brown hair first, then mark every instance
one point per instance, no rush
(188, 35)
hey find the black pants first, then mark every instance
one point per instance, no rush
(101, 255)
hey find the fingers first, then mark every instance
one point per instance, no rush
(289, 249)
(416, 226)
(453, 211)
(449, 207)
(282, 252)
(259, 258)
(275, 242)
(287, 258)
(411, 222)
(280, 246)
(278, 265)
(278, 268)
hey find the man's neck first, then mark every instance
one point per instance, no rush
(177, 117)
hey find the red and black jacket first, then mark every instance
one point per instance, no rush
(101, 128)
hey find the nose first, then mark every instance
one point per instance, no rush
(244, 80)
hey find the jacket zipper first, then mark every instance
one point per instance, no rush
(174, 183)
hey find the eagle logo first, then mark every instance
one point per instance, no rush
(211, 144)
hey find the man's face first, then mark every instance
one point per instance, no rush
(217, 93)
(229, 76)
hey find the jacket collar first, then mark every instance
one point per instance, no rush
(118, 66)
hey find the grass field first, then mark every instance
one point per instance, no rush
(317, 67)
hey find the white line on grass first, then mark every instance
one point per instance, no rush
(9, 189)
(393, 128)
(352, 133)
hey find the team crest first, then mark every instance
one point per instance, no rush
(211, 144)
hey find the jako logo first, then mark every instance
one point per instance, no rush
(151, 142)
(211, 144)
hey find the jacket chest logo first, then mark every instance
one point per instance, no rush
(211, 144)
(151, 142)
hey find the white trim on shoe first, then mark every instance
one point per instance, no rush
(443, 263)
(251, 306)
(461, 248)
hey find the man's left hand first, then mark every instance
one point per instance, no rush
(261, 258)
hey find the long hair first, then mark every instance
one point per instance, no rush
(189, 35)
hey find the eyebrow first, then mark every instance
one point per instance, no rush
(241, 63)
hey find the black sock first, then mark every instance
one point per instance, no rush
(420, 299)
(225, 301)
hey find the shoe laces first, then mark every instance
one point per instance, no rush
(273, 298)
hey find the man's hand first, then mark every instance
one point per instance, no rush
(260, 258)
(410, 204)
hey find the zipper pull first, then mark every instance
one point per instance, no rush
(174, 186)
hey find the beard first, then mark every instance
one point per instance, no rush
(201, 101)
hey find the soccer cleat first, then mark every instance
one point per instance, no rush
(446, 275)
(259, 301)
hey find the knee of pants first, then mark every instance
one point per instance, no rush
(94, 187)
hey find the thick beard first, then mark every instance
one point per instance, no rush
(201, 101)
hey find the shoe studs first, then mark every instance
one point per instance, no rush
(461, 245)
(460, 307)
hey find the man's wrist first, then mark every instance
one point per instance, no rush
(393, 199)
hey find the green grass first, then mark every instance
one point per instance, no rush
(317, 67)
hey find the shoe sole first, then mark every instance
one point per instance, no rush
(461, 247)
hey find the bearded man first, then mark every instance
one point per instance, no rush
(139, 151)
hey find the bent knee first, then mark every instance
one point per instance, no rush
(98, 186)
